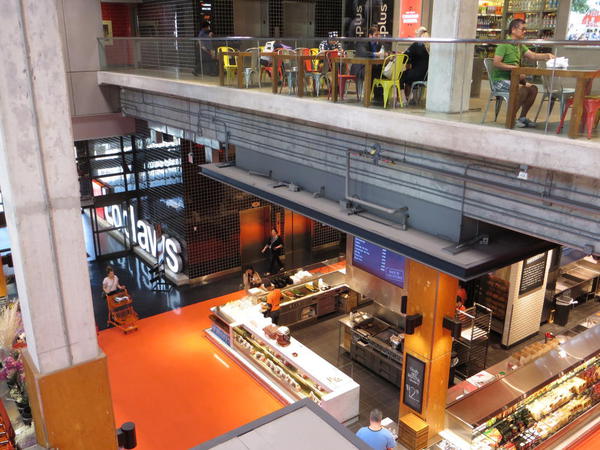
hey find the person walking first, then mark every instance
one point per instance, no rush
(275, 247)
(205, 60)
(375, 436)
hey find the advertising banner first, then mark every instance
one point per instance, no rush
(584, 20)
(410, 18)
(365, 13)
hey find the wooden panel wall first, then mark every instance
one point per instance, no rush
(72, 408)
(432, 294)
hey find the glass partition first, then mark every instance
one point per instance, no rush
(455, 80)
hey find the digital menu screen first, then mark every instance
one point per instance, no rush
(379, 261)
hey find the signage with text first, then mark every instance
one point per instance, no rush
(379, 261)
(410, 18)
(166, 249)
(533, 274)
(414, 379)
(366, 13)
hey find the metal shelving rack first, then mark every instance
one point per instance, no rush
(472, 345)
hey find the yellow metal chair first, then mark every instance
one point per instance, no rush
(388, 84)
(315, 62)
(229, 63)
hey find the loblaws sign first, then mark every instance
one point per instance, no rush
(141, 232)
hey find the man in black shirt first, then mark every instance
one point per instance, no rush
(275, 246)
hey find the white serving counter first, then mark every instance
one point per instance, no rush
(238, 329)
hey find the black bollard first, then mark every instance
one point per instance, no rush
(126, 436)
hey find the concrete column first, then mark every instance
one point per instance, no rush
(39, 184)
(450, 65)
(67, 379)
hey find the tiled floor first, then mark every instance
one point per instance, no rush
(375, 392)
(496, 353)
(473, 115)
(134, 274)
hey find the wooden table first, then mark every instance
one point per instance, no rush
(583, 77)
(368, 63)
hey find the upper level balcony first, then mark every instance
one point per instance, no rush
(455, 108)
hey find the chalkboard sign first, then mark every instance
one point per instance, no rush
(414, 377)
(532, 277)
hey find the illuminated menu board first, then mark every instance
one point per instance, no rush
(379, 261)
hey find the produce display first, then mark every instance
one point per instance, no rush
(295, 381)
(542, 414)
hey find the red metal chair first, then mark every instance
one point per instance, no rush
(343, 76)
(269, 69)
(591, 107)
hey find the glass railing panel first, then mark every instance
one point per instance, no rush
(457, 84)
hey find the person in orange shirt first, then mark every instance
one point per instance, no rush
(273, 302)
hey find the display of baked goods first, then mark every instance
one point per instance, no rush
(299, 383)
(532, 351)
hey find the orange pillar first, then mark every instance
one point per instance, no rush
(432, 294)
(3, 291)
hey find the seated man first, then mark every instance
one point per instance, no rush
(509, 56)
(331, 44)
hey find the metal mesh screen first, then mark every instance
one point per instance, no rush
(169, 18)
(181, 18)
(161, 188)
(213, 218)
(324, 234)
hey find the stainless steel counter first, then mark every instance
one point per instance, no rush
(575, 275)
(476, 408)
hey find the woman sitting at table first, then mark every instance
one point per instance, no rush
(418, 59)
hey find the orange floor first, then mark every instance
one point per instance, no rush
(175, 385)
(178, 387)
(589, 441)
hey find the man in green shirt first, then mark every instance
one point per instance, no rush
(509, 56)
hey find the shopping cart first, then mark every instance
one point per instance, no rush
(120, 311)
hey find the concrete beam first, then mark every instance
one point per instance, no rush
(577, 157)
(39, 184)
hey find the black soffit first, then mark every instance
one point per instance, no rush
(502, 251)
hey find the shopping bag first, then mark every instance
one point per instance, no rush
(388, 70)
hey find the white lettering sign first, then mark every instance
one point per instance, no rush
(141, 232)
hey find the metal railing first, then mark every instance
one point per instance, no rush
(305, 72)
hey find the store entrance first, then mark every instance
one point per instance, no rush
(105, 232)
(255, 226)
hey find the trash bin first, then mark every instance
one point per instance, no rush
(563, 307)
(453, 364)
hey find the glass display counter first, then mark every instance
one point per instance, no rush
(534, 404)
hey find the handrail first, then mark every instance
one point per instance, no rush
(433, 40)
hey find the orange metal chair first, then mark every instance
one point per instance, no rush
(269, 69)
(120, 311)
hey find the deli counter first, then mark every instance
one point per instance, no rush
(290, 370)
(533, 405)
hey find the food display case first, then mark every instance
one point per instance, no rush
(287, 368)
(534, 404)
